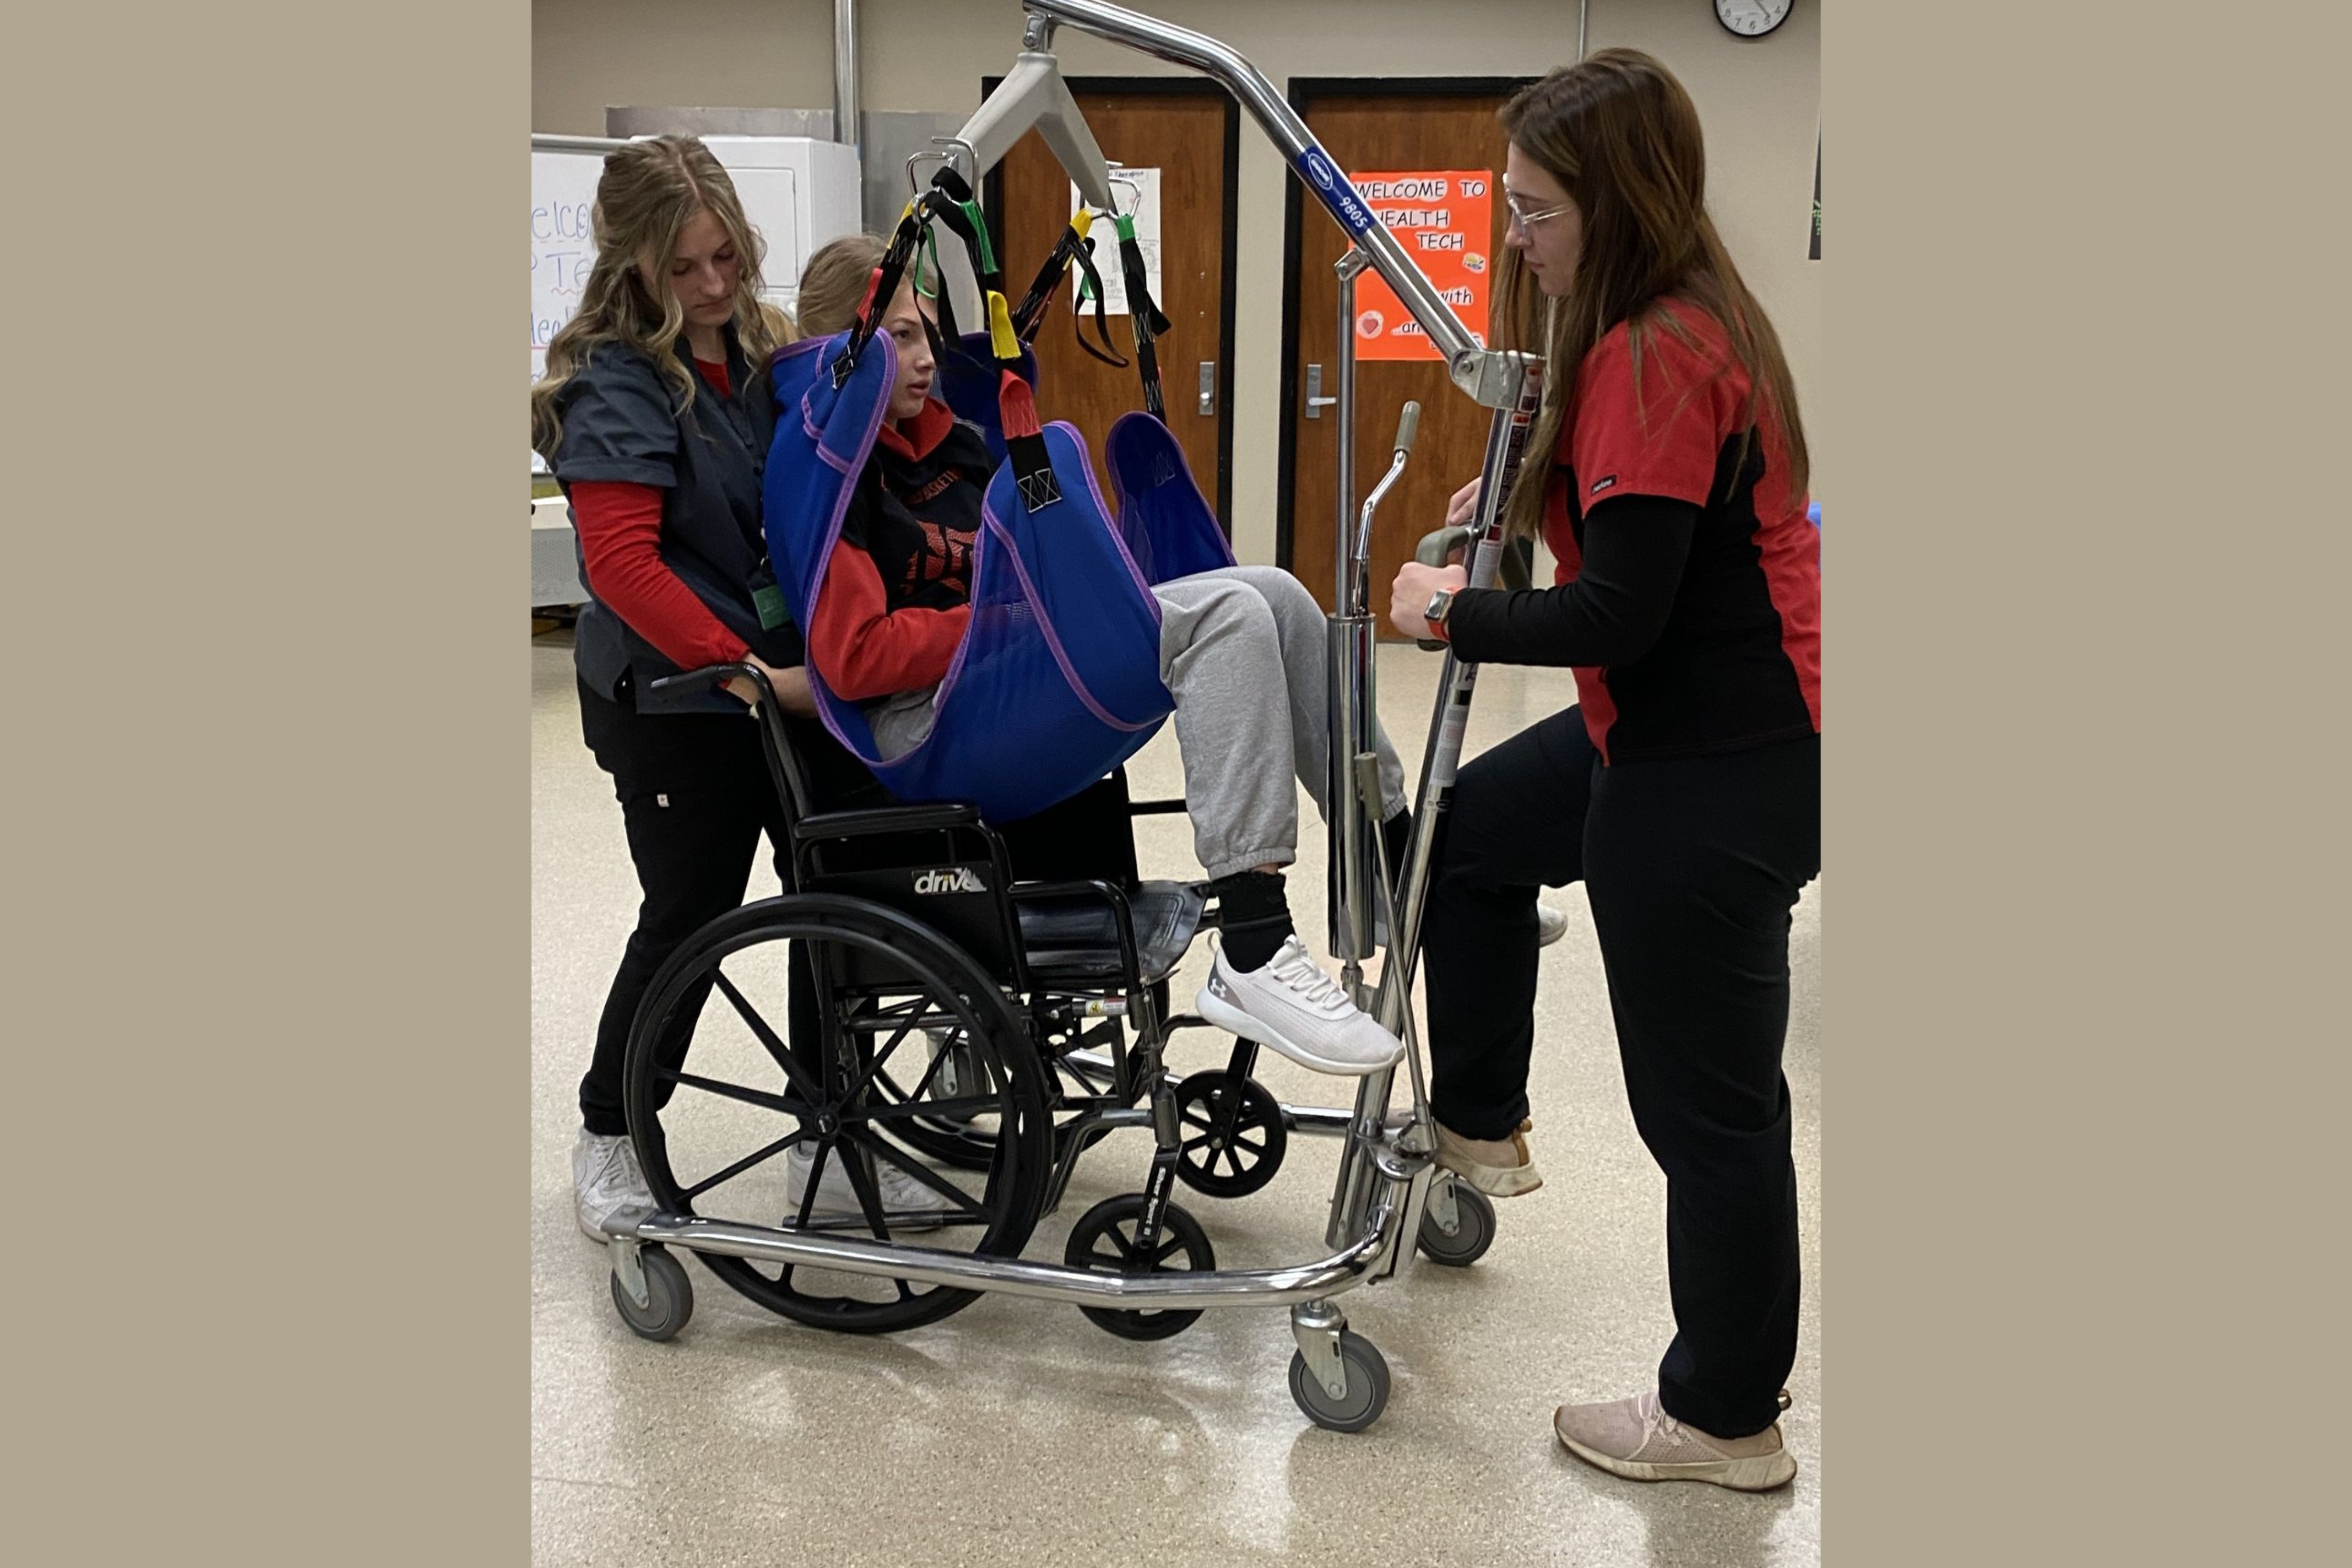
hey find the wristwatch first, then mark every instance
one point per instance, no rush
(1440, 603)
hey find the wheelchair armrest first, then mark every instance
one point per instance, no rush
(889, 819)
(1154, 807)
(691, 681)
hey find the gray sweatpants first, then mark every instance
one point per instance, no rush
(1244, 651)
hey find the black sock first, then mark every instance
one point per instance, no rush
(1253, 918)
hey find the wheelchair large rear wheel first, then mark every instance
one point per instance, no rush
(747, 1107)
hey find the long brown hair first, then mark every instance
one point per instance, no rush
(1623, 138)
(648, 195)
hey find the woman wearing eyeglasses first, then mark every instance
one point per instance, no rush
(1684, 789)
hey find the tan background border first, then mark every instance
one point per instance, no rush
(267, 975)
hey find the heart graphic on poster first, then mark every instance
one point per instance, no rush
(1370, 323)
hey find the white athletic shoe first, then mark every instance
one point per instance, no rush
(907, 1203)
(1292, 1005)
(605, 1179)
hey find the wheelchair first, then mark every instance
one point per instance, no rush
(935, 1038)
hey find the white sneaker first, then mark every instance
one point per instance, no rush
(907, 1203)
(605, 1179)
(1292, 1005)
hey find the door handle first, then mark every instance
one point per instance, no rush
(1315, 401)
(1208, 386)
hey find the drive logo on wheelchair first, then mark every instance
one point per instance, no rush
(961, 879)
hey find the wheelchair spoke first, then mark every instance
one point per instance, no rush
(815, 1175)
(793, 1073)
(928, 1178)
(743, 1165)
(946, 1110)
(869, 1196)
(737, 1091)
(889, 1085)
(883, 1055)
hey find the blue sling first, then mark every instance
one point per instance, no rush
(1056, 680)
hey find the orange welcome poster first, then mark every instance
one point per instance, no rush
(1443, 220)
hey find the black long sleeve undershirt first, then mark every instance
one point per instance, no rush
(1634, 548)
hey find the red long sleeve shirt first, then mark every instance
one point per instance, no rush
(898, 592)
(620, 537)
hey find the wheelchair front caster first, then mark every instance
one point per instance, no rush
(1473, 1232)
(669, 1295)
(1104, 1242)
(1234, 1136)
(1365, 1396)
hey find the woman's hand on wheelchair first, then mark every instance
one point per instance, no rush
(791, 686)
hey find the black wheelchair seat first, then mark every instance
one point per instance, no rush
(1074, 937)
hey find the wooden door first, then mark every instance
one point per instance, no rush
(1397, 128)
(1189, 130)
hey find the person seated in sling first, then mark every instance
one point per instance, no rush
(1241, 649)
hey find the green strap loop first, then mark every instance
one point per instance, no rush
(980, 230)
(930, 245)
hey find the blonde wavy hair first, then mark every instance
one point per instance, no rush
(833, 283)
(648, 195)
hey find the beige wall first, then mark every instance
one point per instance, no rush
(1760, 101)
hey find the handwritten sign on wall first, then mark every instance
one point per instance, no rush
(1444, 220)
(562, 242)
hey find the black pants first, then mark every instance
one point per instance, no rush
(1692, 867)
(695, 798)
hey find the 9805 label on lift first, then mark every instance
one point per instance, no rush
(1335, 191)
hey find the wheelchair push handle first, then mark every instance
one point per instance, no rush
(690, 682)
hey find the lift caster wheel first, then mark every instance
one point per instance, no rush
(1103, 1242)
(1474, 1229)
(669, 1296)
(1368, 1386)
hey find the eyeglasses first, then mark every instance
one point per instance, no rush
(1527, 220)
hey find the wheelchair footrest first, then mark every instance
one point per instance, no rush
(1076, 936)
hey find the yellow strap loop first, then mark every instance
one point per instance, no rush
(1006, 341)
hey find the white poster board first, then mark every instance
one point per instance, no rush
(562, 242)
(1106, 238)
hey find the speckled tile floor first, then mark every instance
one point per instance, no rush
(1016, 1431)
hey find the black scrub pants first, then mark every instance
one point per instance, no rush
(1692, 866)
(695, 797)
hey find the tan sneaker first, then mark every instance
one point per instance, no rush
(1637, 1439)
(1480, 1160)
